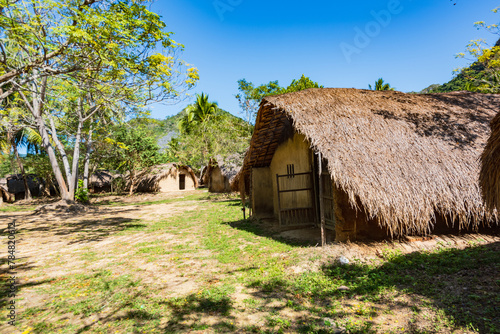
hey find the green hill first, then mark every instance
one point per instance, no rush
(462, 81)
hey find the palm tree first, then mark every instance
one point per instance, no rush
(197, 113)
(380, 85)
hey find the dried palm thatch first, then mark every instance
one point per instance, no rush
(220, 172)
(149, 180)
(402, 158)
(101, 181)
(5, 195)
(489, 177)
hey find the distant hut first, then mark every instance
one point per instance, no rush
(167, 177)
(489, 178)
(102, 181)
(217, 176)
(367, 164)
(15, 185)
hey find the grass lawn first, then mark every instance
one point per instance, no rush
(191, 264)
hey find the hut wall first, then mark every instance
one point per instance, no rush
(189, 181)
(294, 151)
(15, 185)
(171, 182)
(217, 182)
(262, 186)
(352, 224)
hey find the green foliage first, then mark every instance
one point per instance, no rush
(197, 113)
(221, 135)
(134, 148)
(6, 164)
(249, 95)
(121, 37)
(380, 85)
(81, 193)
(484, 74)
(466, 79)
(39, 165)
(89, 63)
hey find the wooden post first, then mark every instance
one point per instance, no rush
(321, 211)
(279, 200)
(241, 185)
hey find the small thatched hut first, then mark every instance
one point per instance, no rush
(15, 185)
(102, 181)
(167, 177)
(369, 163)
(217, 176)
(489, 178)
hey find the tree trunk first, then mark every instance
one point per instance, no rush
(87, 159)
(61, 150)
(36, 108)
(27, 192)
(63, 189)
(132, 182)
(73, 183)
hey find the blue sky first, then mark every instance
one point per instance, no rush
(409, 43)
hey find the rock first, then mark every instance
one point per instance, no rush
(343, 260)
(343, 288)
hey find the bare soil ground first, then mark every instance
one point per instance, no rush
(162, 248)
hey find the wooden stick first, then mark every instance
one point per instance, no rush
(321, 209)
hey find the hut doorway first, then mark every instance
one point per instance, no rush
(296, 200)
(327, 199)
(182, 181)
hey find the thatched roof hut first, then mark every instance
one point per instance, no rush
(102, 181)
(489, 178)
(402, 161)
(15, 185)
(167, 177)
(219, 173)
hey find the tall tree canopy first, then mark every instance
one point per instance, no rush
(197, 113)
(484, 73)
(78, 64)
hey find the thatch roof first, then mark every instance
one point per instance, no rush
(15, 184)
(149, 180)
(101, 179)
(403, 157)
(229, 167)
(6, 195)
(489, 178)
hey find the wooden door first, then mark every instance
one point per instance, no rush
(182, 181)
(296, 203)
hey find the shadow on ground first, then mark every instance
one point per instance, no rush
(464, 284)
(86, 230)
(268, 229)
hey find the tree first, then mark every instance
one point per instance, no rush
(250, 96)
(222, 135)
(82, 44)
(484, 73)
(197, 113)
(135, 150)
(380, 85)
(205, 130)
(46, 38)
